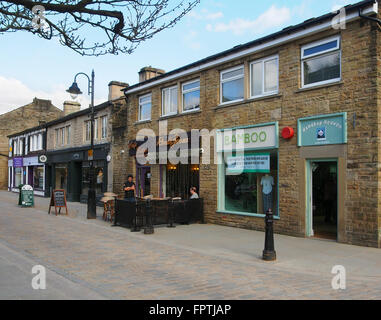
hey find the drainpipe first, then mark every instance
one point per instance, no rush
(371, 19)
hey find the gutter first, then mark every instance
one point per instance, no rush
(378, 21)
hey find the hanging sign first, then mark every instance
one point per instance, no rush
(58, 200)
(322, 130)
(248, 163)
(257, 137)
(26, 196)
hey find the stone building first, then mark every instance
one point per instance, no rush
(296, 119)
(30, 115)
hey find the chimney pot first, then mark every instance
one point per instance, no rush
(147, 73)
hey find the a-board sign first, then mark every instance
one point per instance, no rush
(58, 200)
(26, 198)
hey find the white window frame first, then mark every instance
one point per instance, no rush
(320, 54)
(140, 105)
(57, 132)
(189, 91)
(263, 61)
(170, 97)
(87, 126)
(231, 79)
(96, 126)
(68, 134)
(104, 127)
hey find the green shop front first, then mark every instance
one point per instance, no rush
(248, 170)
(70, 170)
(322, 143)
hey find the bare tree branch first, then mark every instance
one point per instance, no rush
(93, 28)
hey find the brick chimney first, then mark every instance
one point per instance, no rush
(70, 107)
(147, 73)
(114, 88)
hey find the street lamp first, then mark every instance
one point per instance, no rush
(74, 92)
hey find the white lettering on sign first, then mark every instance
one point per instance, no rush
(247, 138)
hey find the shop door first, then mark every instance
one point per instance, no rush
(322, 194)
(144, 181)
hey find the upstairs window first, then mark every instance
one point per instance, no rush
(264, 77)
(232, 85)
(321, 62)
(191, 96)
(169, 101)
(68, 134)
(57, 136)
(62, 135)
(104, 127)
(145, 108)
(87, 130)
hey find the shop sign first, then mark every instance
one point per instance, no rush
(248, 163)
(322, 130)
(42, 158)
(258, 137)
(32, 161)
(17, 162)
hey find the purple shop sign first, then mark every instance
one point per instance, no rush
(17, 162)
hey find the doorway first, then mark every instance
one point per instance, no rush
(144, 181)
(323, 197)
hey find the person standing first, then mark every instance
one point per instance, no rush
(129, 189)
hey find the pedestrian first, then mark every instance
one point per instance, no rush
(193, 192)
(129, 189)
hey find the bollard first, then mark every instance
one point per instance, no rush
(269, 253)
(148, 227)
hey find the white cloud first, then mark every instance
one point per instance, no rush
(190, 40)
(15, 94)
(204, 14)
(273, 17)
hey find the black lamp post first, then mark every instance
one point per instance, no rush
(74, 92)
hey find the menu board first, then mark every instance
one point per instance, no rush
(26, 196)
(58, 200)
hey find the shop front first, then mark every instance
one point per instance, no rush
(70, 170)
(17, 173)
(322, 140)
(166, 180)
(35, 174)
(248, 170)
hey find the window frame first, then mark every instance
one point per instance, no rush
(68, 134)
(323, 53)
(104, 126)
(263, 61)
(242, 66)
(87, 126)
(170, 97)
(140, 105)
(189, 91)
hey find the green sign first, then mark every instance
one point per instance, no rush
(322, 130)
(26, 196)
(248, 163)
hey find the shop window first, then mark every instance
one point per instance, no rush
(191, 96)
(321, 62)
(169, 101)
(178, 179)
(264, 77)
(18, 177)
(145, 108)
(232, 85)
(248, 182)
(61, 176)
(99, 176)
(38, 177)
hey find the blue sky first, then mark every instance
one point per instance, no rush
(34, 67)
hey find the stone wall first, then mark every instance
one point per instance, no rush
(357, 94)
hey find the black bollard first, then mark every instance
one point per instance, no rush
(148, 227)
(269, 253)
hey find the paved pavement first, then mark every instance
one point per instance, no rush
(90, 259)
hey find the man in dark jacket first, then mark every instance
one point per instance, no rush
(129, 189)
